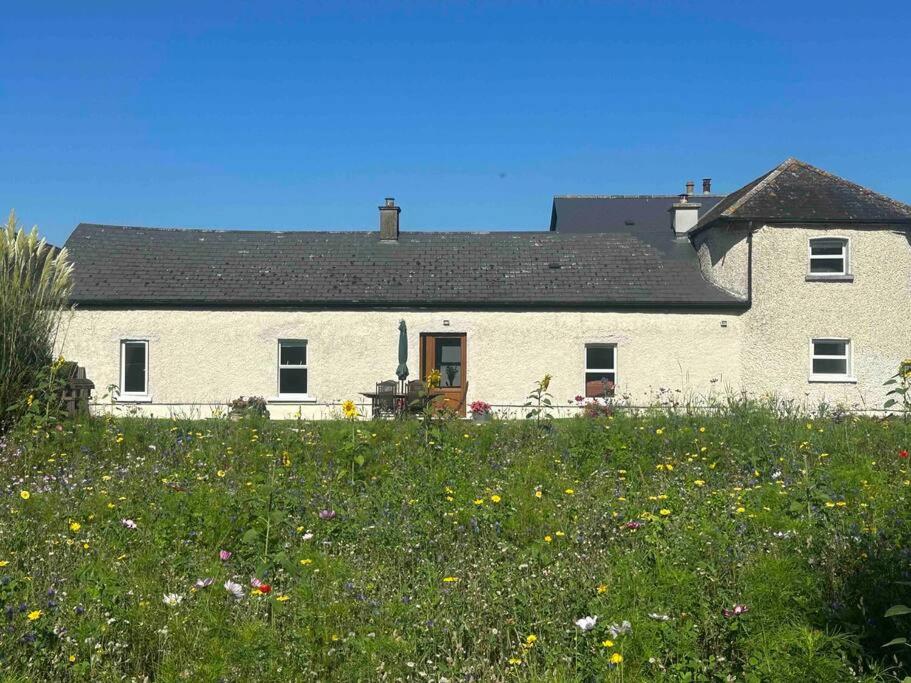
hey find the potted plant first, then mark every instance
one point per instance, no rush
(254, 406)
(480, 411)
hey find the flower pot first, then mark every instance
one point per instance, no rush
(481, 417)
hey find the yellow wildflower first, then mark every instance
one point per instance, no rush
(34, 614)
(75, 526)
(569, 492)
(616, 658)
(450, 579)
(495, 498)
(664, 512)
(306, 561)
(548, 538)
(349, 409)
(25, 495)
(607, 643)
(282, 598)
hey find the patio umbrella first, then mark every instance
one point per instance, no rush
(402, 370)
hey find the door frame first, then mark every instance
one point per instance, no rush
(455, 397)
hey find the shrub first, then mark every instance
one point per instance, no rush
(35, 284)
(252, 406)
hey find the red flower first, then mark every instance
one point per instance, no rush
(265, 588)
(903, 453)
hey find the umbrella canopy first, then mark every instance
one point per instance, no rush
(402, 370)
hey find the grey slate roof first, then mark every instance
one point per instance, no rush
(639, 214)
(127, 266)
(795, 191)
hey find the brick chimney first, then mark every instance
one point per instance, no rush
(684, 215)
(389, 220)
(706, 186)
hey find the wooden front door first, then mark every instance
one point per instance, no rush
(445, 352)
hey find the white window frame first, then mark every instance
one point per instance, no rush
(291, 398)
(848, 358)
(133, 396)
(586, 370)
(845, 257)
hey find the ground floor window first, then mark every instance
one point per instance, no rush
(600, 370)
(831, 359)
(134, 368)
(292, 367)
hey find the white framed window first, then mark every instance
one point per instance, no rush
(292, 368)
(829, 257)
(830, 360)
(600, 370)
(134, 370)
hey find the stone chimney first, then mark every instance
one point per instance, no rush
(684, 215)
(690, 188)
(389, 220)
(706, 186)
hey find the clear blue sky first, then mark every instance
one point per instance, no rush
(305, 114)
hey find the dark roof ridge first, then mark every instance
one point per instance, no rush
(632, 196)
(310, 231)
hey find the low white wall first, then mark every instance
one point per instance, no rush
(200, 359)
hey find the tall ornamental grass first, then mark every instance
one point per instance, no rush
(35, 284)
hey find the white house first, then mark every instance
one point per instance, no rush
(798, 285)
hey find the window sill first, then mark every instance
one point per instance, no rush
(829, 278)
(292, 398)
(134, 398)
(831, 379)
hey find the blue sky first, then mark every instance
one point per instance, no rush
(306, 114)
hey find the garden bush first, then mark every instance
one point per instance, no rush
(656, 547)
(35, 282)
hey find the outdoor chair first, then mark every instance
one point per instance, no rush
(384, 401)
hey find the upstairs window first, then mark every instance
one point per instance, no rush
(831, 359)
(828, 256)
(600, 370)
(292, 367)
(134, 368)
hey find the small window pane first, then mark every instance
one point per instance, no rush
(292, 381)
(829, 348)
(293, 353)
(599, 384)
(600, 357)
(827, 265)
(449, 361)
(827, 248)
(134, 367)
(830, 366)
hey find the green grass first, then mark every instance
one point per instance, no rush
(804, 522)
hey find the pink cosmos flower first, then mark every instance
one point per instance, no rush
(203, 583)
(326, 513)
(736, 612)
(224, 555)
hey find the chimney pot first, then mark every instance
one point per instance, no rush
(690, 187)
(389, 220)
(706, 186)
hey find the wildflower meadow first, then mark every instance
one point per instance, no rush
(740, 546)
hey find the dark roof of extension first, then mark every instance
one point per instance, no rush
(125, 266)
(796, 192)
(621, 213)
